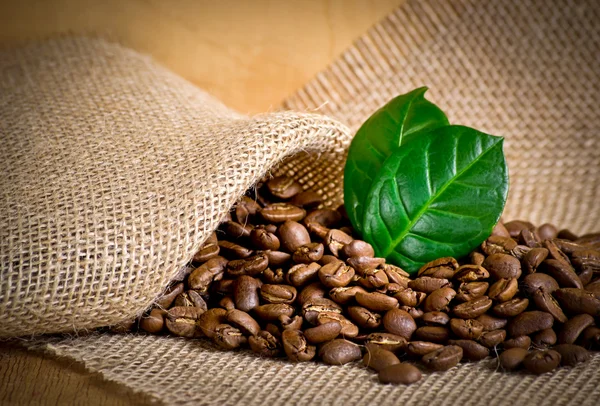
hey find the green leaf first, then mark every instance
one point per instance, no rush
(439, 195)
(399, 121)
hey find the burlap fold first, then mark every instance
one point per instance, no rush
(526, 70)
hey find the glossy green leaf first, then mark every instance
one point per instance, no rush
(400, 120)
(439, 195)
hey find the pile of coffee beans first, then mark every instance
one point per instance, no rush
(284, 277)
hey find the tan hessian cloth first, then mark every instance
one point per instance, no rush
(115, 170)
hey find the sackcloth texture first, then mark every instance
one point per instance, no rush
(526, 70)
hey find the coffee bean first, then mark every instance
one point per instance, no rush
(335, 241)
(538, 282)
(376, 301)
(323, 333)
(263, 240)
(363, 264)
(590, 338)
(444, 358)
(529, 238)
(571, 330)
(473, 308)
(227, 303)
(233, 251)
(555, 253)
(544, 338)
(409, 297)
(529, 322)
(358, 248)
(472, 350)
(439, 268)
(427, 284)
(421, 348)
(245, 293)
(312, 308)
(399, 322)
(181, 321)
(435, 334)
(281, 212)
(319, 222)
(251, 266)
(293, 235)
(273, 277)
(578, 301)
(378, 359)
(209, 320)
(345, 295)
(208, 250)
(490, 323)
(364, 318)
(516, 226)
(270, 312)
(265, 344)
(201, 277)
(386, 341)
(492, 339)
(563, 273)
(243, 321)
(435, 318)
(470, 273)
(517, 342)
(395, 274)
(339, 352)
(301, 274)
(283, 187)
(498, 245)
(511, 308)
(336, 274)
(245, 209)
(165, 301)
(234, 230)
(533, 259)
(402, 373)
(503, 290)
(571, 355)
(471, 290)
(547, 231)
(349, 329)
(278, 293)
(476, 258)
(296, 347)
(502, 266)
(500, 230)
(374, 279)
(586, 261)
(567, 234)
(291, 323)
(439, 299)
(228, 337)
(512, 358)
(153, 322)
(469, 329)
(278, 258)
(307, 199)
(541, 361)
(191, 298)
(414, 312)
(311, 252)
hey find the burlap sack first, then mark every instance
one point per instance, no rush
(526, 70)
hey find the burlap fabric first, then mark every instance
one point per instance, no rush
(527, 70)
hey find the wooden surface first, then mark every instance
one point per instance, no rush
(250, 54)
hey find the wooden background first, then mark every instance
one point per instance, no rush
(250, 54)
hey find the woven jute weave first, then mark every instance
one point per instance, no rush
(527, 70)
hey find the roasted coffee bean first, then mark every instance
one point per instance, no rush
(153, 322)
(414, 312)
(402, 373)
(375, 301)
(586, 260)
(377, 358)
(476, 258)
(545, 338)
(165, 301)
(208, 321)
(312, 308)
(319, 222)
(490, 322)
(363, 264)
(374, 279)
(593, 287)
(270, 312)
(533, 259)
(516, 226)
(296, 347)
(349, 329)
(439, 268)
(273, 277)
(227, 303)
(555, 253)
(201, 277)
(336, 274)
(503, 290)
(335, 241)
(235, 230)
(435, 334)
(471, 290)
(472, 350)
(517, 342)
(589, 239)
(538, 282)
(364, 318)
(511, 308)
(470, 273)
(529, 322)
(223, 286)
(339, 352)
(281, 212)
(311, 252)
(498, 245)
(469, 329)
(547, 231)
(252, 265)
(358, 248)
(246, 208)
(283, 187)
(421, 348)
(528, 238)
(435, 318)
(278, 293)
(563, 273)
(571, 355)
(439, 299)
(568, 247)
(491, 339)
(345, 295)
(278, 258)
(399, 322)
(233, 250)
(181, 321)
(243, 321)
(571, 330)
(409, 297)
(293, 235)
(273, 329)
(228, 337)
(473, 308)
(512, 358)
(444, 358)
(293, 323)
(386, 341)
(265, 344)
(395, 274)
(427, 284)
(263, 240)
(245, 293)
(301, 274)
(191, 298)
(502, 266)
(567, 235)
(541, 361)
(307, 199)
(208, 250)
(578, 301)
(323, 333)
(519, 251)
(590, 338)
(500, 230)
